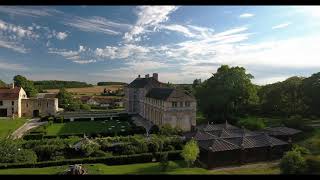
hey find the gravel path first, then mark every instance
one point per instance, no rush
(32, 123)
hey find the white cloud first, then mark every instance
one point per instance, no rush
(13, 46)
(246, 15)
(12, 67)
(61, 35)
(85, 61)
(283, 25)
(122, 52)
(81, 56)
(96, 24)
(27, 11)
(149, 19)
(21, 32)
(179, 28)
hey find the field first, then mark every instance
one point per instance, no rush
(177, 167)
(95, 90)
(8, 126)
(87, 127)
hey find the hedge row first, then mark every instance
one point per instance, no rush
(115, 160)
(313, 163)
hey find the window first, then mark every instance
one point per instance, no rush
(174, 104)
(12, 103)
(181, 104)
(47, 104)
(1, 103)
(12, 110)
(187, 104)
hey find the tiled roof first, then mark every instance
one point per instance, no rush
(160, 93)
(9, 93)
(281, 131)
(142, 82)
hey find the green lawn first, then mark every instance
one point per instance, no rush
(151, 168)
(8, 125)
(87, 127)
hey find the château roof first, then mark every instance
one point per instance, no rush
(142, 82)
(160, 93)
(9, 93)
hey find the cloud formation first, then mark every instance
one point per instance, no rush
(246, 15)
(279, 26)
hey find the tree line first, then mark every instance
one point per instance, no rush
(229, 93)
(110, 83)
(55, 84)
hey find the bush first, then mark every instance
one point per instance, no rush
(164, 163)
(300, 149)
(167, 130)
(33, 136)
(88, 148)
(251, 123)
(313, 163)
(294, 122)
(293, 163)
(58, 120)
(190, 152)
(85, 107)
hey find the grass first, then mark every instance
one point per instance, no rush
(8, 125)
(86, 127)
(175, 167)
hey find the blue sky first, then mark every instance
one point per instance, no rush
(181, 43)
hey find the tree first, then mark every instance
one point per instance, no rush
(283, 98)
(27, 85)
(252, 123)
(311, 89)
(164, 163)
(12, 152)
(227, 93)
(2, 84)
(190, 152)
(293, 163)
(66, 101)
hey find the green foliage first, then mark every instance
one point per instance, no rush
(168, 130)
(295, 121)
(85, 107)
(26, 84)
(164, 163)
(54, 84)
(67, 102)
(89, 147)
(190, 152)
(302, 150)
(2, 84)
(251, 123)
(311, 89)
(12, 152)
(313, 163)
(228, 92)
(293, 163)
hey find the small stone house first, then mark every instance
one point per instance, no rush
(15, 103)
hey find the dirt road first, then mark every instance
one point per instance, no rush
(32, 123)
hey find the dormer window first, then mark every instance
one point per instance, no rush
(12, 103)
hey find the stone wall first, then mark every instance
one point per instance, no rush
(44, 106)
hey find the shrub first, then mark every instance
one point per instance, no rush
(164, 163)
(190, 152)
(25, 155)
(33, 136)
(300, 149)
(293, 163)
(251, 123)
(313, 163)
(85, 107)
(294, 122)
(89, 147)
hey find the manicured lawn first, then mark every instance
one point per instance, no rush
(87, 127)
(152, 168)
(8, 125)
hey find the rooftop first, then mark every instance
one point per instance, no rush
(9, 93)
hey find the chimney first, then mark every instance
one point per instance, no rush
(155, 76)
(147, 76)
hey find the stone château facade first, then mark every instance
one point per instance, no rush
(15, 103)
(156, 102)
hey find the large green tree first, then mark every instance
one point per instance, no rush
(311, 89)
(66, 100)
(228, 92)
(26, 84)
(283, 98)
(190, 152)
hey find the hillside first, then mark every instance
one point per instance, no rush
(94, 90)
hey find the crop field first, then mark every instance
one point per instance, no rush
(95, 90)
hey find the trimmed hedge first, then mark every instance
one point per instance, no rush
(114, 160)
(313, 163)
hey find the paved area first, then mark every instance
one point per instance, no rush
(32, 123)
